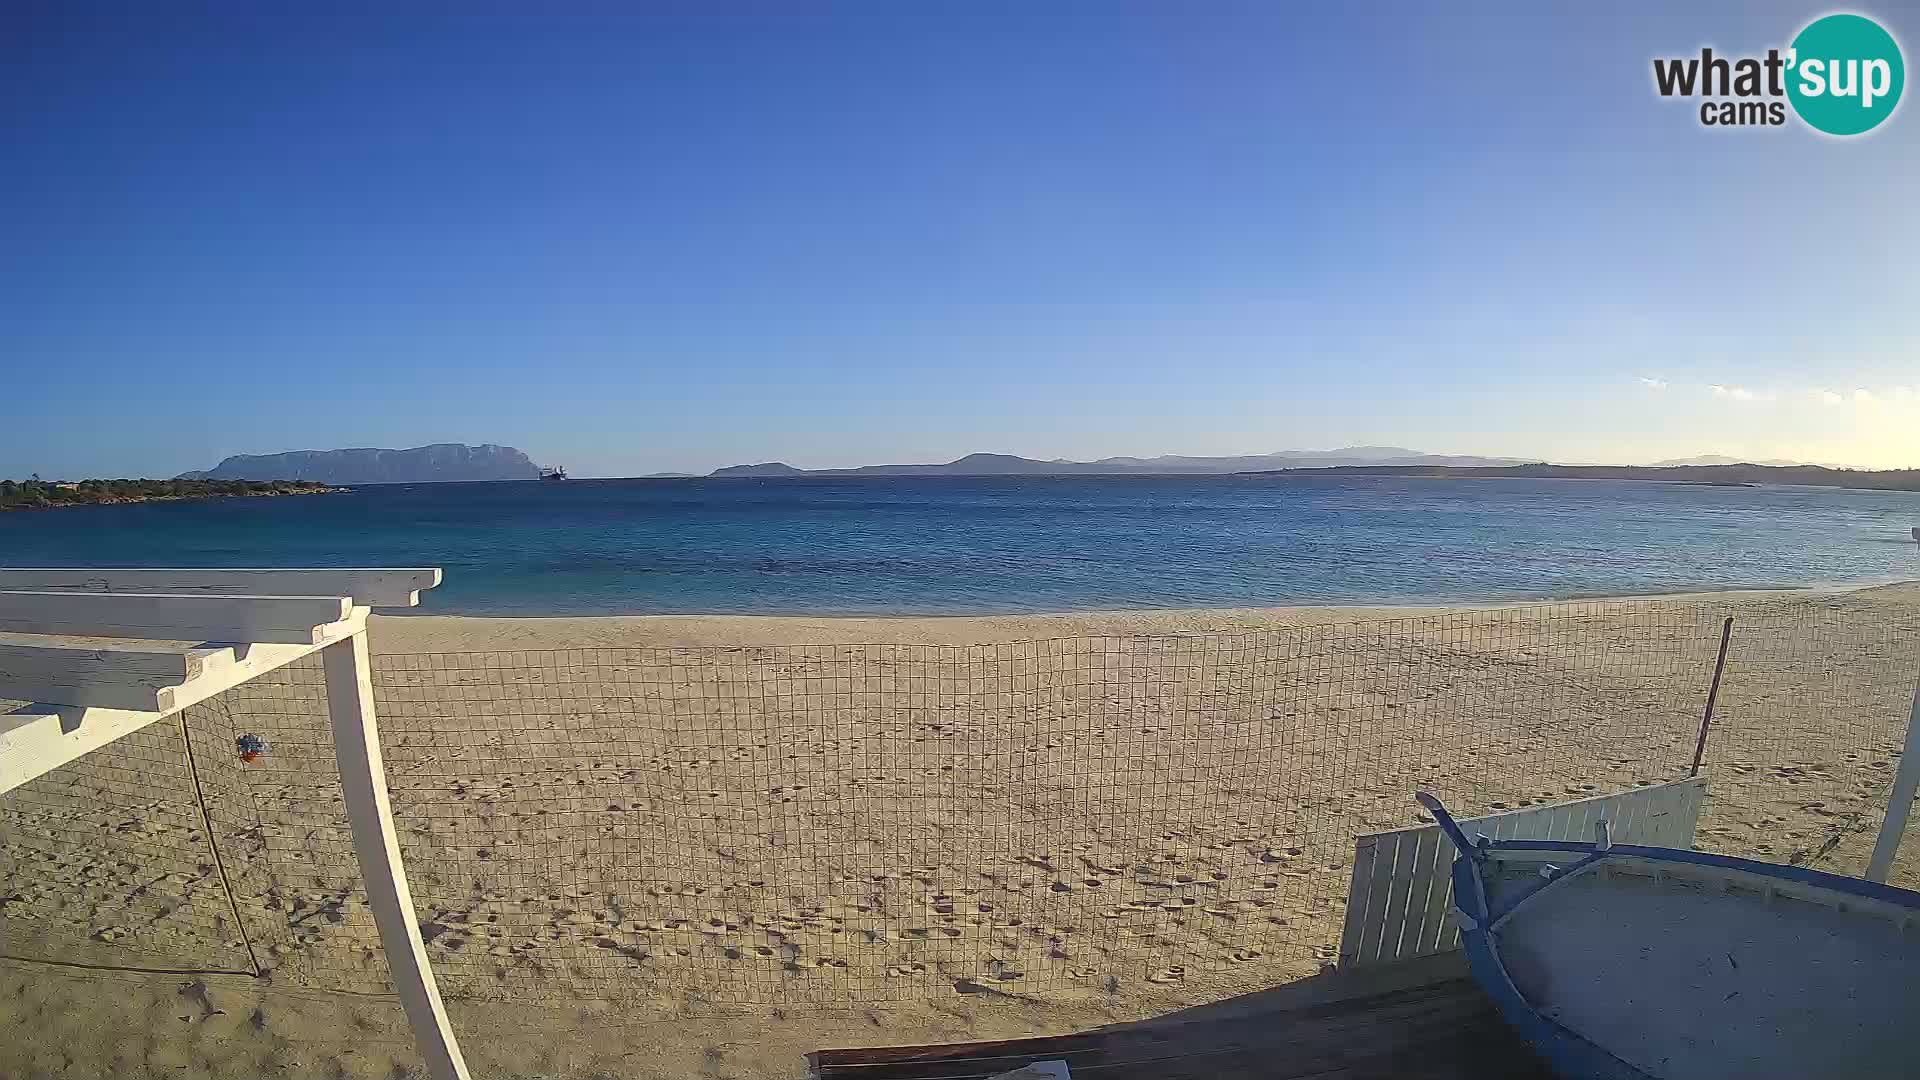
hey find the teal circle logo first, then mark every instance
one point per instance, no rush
(1845, 74)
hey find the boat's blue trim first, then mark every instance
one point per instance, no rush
(1570, 1053)
(1445, 821)
(1872, 890)
(1558, 874)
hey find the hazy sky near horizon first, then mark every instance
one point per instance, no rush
(635, 243)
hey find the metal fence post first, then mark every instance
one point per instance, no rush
(1713, 694)
(363, 780)
(1900, 803)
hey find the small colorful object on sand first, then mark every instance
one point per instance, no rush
(250, 747)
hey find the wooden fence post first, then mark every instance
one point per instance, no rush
(1900, 802)
(363, 779)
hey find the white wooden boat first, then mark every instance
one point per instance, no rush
(1627, 962)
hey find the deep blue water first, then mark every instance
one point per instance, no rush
(953, 545)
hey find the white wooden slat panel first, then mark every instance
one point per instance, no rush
(1570, 818)
(384, 587)
(1584, 819)
(1419, 893)
(1380, 889)
(1394, 921)
(1554, 824)
(1654, 824)
(36, 739)
(113, 678)
(169, 617)
(1433, 867)
(1394, 870)
(1500, 827)
(1630, 823)
(1357, 900)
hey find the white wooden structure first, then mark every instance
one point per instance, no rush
(1402, 885)
(176, 637)
(1906, 783)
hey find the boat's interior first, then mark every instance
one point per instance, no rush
(1705, 972)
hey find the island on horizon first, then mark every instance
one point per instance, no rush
(1708, 469)
(434, 463)
(456, 462)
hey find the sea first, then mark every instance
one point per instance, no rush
(958, 545)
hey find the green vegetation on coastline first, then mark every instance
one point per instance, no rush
(37, 494)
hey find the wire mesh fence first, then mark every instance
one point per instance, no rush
(107, 862)
(1811, 718)
(1061, 819)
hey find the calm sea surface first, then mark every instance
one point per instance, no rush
(952, 545)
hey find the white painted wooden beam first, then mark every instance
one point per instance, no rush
(36, 739)
(104, 676)
(168, 617)
(1906, 782)
(383, 587)
(363, 782)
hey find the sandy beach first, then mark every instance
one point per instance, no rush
(675, 846)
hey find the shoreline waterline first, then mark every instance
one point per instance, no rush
(429, 632)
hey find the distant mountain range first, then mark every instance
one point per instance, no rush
(1741, 475)
(1170, 464)
(421, 464)
(487, 461)
(1710, 469)
(1722, 459)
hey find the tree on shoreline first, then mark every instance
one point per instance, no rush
(39, 494)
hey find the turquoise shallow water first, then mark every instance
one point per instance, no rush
(934, 545)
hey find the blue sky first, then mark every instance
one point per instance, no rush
(633, 243)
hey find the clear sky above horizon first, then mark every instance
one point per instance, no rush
(633, 243)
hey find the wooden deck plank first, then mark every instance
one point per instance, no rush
(1445, 1029)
